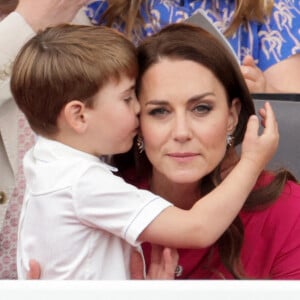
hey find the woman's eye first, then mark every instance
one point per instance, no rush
(158, 111)
(201, 109)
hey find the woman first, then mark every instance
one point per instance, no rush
(192, 96)
(264, 34)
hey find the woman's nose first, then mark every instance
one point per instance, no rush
(181, 129)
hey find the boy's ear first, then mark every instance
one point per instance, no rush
(74, 112)
(234, 112)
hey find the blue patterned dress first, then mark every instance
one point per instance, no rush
(275, 40)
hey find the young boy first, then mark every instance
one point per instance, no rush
(76, 86)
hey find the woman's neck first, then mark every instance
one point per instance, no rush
(182, 195)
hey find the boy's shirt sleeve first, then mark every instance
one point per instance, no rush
(111, 204)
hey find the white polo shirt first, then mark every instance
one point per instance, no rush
(78, 219)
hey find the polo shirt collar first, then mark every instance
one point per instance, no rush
(49, 150)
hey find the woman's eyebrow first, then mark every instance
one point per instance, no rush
(200, 96)
(157, 102)
(192, 99)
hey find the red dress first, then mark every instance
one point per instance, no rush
(271, 247)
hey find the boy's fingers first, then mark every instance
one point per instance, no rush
(252, 126)
(270, 119)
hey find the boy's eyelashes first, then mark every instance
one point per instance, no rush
(127, 99)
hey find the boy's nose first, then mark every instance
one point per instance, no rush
(137, 106)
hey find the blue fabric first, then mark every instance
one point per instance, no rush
(269, 43)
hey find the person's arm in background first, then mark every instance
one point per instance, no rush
(40, 14)
(277, 68)
(20, 25)
(285, 75)
(282, 77)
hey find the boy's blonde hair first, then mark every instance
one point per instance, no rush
(64, 63)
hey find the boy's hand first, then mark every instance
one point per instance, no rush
(259, 149)
(163, 264)
(40, 14)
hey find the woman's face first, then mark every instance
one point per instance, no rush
(184, 119)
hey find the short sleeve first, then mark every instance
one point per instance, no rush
(106, 202)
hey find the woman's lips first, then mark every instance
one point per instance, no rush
(183, 156)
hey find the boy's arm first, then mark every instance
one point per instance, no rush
(205, 222)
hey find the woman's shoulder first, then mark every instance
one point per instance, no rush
(284, 211)
(288, 202)
(290, 192)
(272, 235)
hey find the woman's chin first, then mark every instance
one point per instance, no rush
(185, 177)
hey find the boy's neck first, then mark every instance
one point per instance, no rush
(74, 141)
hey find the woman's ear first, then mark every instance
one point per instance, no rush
(74, 112)
(234, 112)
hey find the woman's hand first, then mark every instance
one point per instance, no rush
(163, 264)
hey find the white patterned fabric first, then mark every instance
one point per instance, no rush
(8, 235)
(269, 43)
